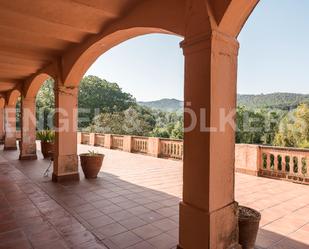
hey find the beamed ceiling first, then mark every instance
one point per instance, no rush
(34, 33)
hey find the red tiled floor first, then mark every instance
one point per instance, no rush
(132, 205)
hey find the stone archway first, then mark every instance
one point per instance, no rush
(10, 119)
(208, 213)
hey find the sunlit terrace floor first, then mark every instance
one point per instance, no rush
(134, 204)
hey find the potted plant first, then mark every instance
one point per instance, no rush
(248, 221)
(91, 163)
(47, 138)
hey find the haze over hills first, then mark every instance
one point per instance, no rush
(283, 101)
(169, 105)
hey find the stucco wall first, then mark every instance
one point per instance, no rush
(247, 158)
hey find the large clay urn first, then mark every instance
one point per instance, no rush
(248, 221)
(47, 149)
(91, 164)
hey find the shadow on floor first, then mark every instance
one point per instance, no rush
(108, 210)
(270, 240)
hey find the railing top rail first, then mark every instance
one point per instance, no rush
(171, 139)
(139, 137)
(264, 147)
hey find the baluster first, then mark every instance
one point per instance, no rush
(268, 161)
(300, 166)
(291, 165)
(283, 163)
(276, 162)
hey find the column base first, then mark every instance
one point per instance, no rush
(66, 178)
(10, 147)
(201, 229)
(28, 157)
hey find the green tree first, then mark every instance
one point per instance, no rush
(136, 120)
(178, 131)
(45, 105)
(294, 128)
(256, 126)
(100, 96)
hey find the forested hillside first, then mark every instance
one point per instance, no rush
(169, 105)
(104, 107)
(273, 119)
(282, 101)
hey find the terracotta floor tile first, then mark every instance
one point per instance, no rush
(110, 209)
(112, 229)
(12, 235)
(79, 238)
(138, 210)
(151, 217)
(44, 238)
(142, 245)
(90, 214)
(9, 226)
(91, 245)
(121, 215)
(16, 244)
(136, 193)
(163, 241)
(100, 221)
(165, 224)
(146, 232)
(125, 240)
(132, 222)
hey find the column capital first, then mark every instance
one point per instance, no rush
(215, 41)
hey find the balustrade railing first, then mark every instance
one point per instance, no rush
(167, 148)
(99, 140)
(140, 145)
(117, 142)
(276, 162)
(289, 163)
(171, 148)
(85, 138)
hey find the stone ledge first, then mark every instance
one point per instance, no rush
(247, 171)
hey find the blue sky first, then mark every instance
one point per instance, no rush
(274, 56)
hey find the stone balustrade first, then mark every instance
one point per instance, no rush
(157, 147)
(275, 162)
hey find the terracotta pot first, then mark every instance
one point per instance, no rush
(91, 164)
(47, 149)
(249, 220)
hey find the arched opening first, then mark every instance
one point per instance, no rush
(45, 105)
(37, 105)
(123, 123)
(208, 211)
(12, 119)
(272, 123)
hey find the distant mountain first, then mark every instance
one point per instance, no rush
(283, 101)
(169, 105)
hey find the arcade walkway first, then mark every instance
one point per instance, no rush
(134, 204)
